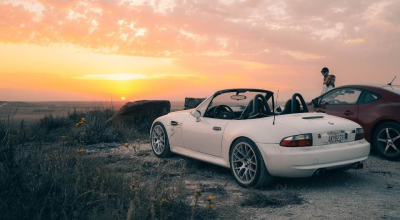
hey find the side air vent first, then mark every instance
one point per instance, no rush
(313, 117)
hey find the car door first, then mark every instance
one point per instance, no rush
(341, 102)
(205, 135)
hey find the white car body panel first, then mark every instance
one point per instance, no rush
(175, 132)
(200, 156)
(200, 136)
(304, 161)
(198, 140)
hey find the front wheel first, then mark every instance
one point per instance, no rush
(387, 140)
(159, 141)
(247, 164)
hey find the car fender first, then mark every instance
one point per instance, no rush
(260, 130)
(385, 112)
(163, 120)
(179, 118)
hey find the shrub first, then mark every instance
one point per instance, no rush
(38, 182)
(3, 129)
(93, 129)
(49, 122)
(75, 116)
(64, 184)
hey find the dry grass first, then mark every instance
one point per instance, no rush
(259, 199)
(43, 176)
(214, 189)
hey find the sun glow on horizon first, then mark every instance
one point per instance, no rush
(123, 98)
(121, 76)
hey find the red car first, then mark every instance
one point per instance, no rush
(375, 108)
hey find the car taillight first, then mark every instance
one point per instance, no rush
(359, 134)
(302, 140)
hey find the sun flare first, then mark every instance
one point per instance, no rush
(123, 98)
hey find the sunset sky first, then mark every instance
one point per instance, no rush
(89, 50)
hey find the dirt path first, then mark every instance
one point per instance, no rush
(370, 193)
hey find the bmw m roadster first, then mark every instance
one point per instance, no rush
(237, 129)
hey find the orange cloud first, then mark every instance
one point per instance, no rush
(219, 44)
(354, 41)
(303, 56)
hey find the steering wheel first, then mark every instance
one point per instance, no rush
(219, 109)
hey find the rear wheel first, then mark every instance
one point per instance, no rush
(247, 164)
(159, 141)
(387, 140)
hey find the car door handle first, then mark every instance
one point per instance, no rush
(216, 128)
(348, 112)
(174, 123)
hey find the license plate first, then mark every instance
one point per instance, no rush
(336, 137)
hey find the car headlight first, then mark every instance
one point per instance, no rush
(302, 140)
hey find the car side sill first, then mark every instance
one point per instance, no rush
(200, 156)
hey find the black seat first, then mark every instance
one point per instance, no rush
(263, 107)
(246, 113)
(288, 107)
(257, 109)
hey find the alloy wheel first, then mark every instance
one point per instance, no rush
(158, 139)
(244, 162)
(389, 141)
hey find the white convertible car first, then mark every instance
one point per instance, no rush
(236, 128)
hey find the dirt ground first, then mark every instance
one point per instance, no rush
(369, 193)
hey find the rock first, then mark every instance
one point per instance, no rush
(140, 114)
(192, 102)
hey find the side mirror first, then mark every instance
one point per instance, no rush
(197, 115)
(278, 109)
(315, 102)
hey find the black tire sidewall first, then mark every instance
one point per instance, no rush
(167, 150)
(392, 125)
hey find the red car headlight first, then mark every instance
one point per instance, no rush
(302, 140)
(359, 134)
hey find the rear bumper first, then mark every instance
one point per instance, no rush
(304, 161)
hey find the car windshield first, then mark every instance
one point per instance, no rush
(232, 101)
(395, 89)
(240, 104)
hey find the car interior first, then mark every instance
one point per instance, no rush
(294, 106)
(257, 107)
(341, 97)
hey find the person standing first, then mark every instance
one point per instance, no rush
(325, 73)
(329, 83)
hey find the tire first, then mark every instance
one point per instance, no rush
(159, 141)
(388, 146)
(247, 164)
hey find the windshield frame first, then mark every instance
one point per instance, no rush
(268, 96)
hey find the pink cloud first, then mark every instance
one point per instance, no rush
(298, 36)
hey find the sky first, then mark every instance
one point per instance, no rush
(95, 50)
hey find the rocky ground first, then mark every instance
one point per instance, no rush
(369, 193)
